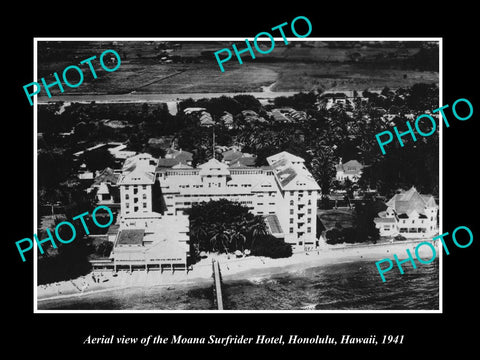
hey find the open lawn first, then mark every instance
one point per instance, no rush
(330, 217)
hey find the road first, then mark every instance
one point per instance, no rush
(138, 97)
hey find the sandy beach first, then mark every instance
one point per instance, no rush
(232, 268)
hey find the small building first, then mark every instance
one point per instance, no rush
(206, 119)
(105, 183)
(174, 157)
(280, 116)
(351, 170)
(227, 119)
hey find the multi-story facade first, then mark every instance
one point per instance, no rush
(136, 183)
(284, 192)
(409, 214)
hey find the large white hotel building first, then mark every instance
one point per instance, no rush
(284, 192)
(153, 229)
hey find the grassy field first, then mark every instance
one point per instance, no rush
(330, 217)
(289, 68)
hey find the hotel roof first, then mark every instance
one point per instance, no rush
(291, 172)
(130, 237)
(284, 155)
(214, 167)
(106, 175)
(137, 177)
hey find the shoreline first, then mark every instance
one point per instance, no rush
(232, 269)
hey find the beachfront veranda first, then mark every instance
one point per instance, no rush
(384, 246)
(116, 265)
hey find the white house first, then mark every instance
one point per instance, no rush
(351, 170)
(409, 214)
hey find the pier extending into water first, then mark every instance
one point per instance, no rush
(217, 284)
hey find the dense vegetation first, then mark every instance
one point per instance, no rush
(343, 131)
(363, 228)
(69, 261)
(225, 226)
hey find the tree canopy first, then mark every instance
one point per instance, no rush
(225, 226)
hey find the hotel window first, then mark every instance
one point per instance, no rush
(127, 197)
(144, 205)
(144, 187)
(291, 211)
(144, 196)
(310, 192)
(309, 211)
(135, 190)
(291, 230)
(291, 220)
(291, 202)
(413, 221)
(127, 205)
(291, 193)
(309, 220)
(309, 229)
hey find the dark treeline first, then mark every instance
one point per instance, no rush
(344, 131)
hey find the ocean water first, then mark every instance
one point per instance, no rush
(344, 286)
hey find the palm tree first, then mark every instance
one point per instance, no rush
(257, 230)
(199, 233)
(239, 239)
(219, 237)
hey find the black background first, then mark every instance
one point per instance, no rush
(61, 335)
